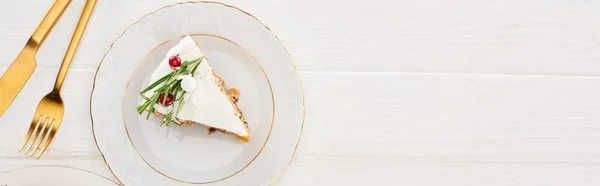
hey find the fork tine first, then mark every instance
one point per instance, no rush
(37, 132)
(49, 129)
(56, 124)
(34, 123)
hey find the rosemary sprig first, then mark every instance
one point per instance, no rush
(168, 84)
(196, 67)
(161, 80)
(180, 105)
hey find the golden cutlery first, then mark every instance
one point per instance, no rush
(21, 69)
(50, 111)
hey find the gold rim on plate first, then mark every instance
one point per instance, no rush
(201, 2)
(261, 148)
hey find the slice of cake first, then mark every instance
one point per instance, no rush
(184, 89)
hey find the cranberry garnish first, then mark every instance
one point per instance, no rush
(167, 102)
(174, 61)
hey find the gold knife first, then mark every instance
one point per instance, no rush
(21, 69)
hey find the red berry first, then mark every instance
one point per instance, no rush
(167, 102)
(174, 61)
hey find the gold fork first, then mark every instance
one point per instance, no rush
(50, 111)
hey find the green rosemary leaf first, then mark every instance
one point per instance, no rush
(175, 91)
(148, 116)
(180, 104)
(184, 64)
(151, 105)
(144, 96)
(180, 97)
(159, 81)
(167, 119)
(196, 67)
(145, 105)
(142, 108)
(171, 81)
(138, 108)
(164, 101)
(187, 63)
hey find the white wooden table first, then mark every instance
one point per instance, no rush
(399, 92)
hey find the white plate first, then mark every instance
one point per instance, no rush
(53, 176)
(160, 146)
(246, 54)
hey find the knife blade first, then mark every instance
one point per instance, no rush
(17, 74)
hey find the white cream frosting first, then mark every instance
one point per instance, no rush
(206, 104)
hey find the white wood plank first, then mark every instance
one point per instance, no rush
(398, 92)
(467, 36)
(448, 117)
(434, 117)
(366, 171)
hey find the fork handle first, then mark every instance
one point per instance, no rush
(83, 20)
(57, 9)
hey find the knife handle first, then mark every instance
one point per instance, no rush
(47, 23)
